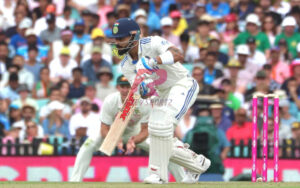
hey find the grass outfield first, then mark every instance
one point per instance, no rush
(135, 185)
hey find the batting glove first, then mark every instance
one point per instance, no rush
(148, 63)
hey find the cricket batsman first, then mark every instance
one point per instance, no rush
(166, 79)
(134, 135)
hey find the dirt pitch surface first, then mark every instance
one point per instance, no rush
(137, 185)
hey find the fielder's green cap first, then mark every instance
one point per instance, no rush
(122, 80)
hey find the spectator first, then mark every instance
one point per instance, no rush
(55, 124)
(123, 11)
(199, 11)
(202, 37)
(19, 39)
(244, 8)
(76, 87)
(41, 23)
(217, 9)
(243, 52)
(222, 122)
(225, 93)
(32, 64)
(95, 63)
(52, 33)
(90, 92)
(42, 87)
(261, 85)
(267, 68)
(79, 36)
(296, 137)
(280, 7)
(286, 119)
(5, 61)
(198, 75)
(14, 114)
(185, 124)
(24, 99)
(241, 130)
(66, 41)
(39, 11)
(152, 17)
(64, 88)
(190, 52)
(166, 25)
(104, 87)
(11, 136)
(210, 72)
(280, 70)
(24, 76)
(55, 96)
(61, 68)
(32, 40)
(32, 131)
(111, 19)
(252, 30)
(214, 46)
(293, 38)
(142, 22)
(28, 115)
(231, 31)
(4, 121)
(102, 9)
(255, 56)
(85, 122)
(235, 73)
(98, 40)
(67, 16)
(179, 23)
(285, 55)
(10, 91)
(269, 27)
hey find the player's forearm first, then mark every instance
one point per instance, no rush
(165, 59)
(104, 130)
(141, 136)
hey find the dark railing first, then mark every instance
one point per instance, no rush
(70, 147)
(61, 147)
(287, 149)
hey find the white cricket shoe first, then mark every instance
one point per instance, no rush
(153, 179)
(192, 177)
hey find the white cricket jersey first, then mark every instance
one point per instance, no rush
(153, 47)
(112, 105)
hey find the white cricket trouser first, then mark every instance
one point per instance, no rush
(162, 119)
(91, 145)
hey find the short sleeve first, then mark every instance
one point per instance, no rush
(160, 44)
(105, 114)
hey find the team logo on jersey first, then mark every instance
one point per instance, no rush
(115, 28)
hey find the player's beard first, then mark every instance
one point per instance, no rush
(124, 50)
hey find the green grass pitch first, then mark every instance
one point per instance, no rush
(137, 185)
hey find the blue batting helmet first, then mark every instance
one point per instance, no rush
(125, 27)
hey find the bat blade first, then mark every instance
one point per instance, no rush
(119, 125)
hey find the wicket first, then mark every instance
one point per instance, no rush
(265, 136)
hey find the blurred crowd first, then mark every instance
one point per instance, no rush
(57, 63)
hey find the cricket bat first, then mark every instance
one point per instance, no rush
(120, 123)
